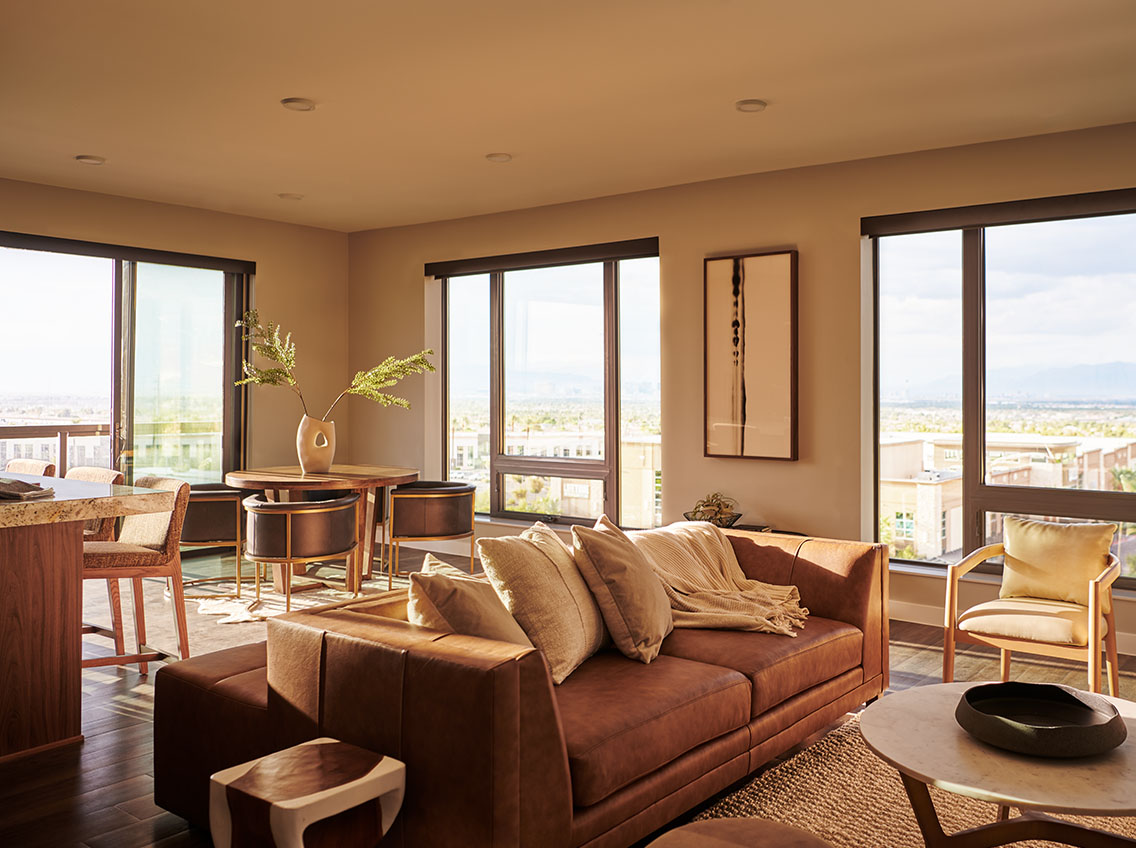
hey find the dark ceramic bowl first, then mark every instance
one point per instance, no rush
(1040, 719)
(717, 522)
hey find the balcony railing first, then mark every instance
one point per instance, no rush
(60, 432)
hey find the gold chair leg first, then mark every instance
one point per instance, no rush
(114, 597)
(288, 588)
(139, 620)
(1005, 666)
(471, 545)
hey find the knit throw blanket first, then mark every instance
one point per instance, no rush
(706, 585)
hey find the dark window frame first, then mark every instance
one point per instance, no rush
(238, 279)
(979, 497)
(610, 254)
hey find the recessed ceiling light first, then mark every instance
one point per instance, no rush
(290, 195)
(298, 104)
(499, 157)
(87, 159)
(750, 105)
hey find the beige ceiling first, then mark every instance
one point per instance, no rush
(592, 97)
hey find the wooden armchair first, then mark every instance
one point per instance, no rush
(1051, 623)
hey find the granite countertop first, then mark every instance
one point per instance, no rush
(78, 500)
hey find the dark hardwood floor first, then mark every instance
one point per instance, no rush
(99, 794)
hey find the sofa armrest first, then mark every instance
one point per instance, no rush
(475, 721)
(842, 580)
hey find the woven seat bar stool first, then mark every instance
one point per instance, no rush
(147, 546)
(430, 510)
(102, 530)
(213, 520)
(297, 532)
(39, 467)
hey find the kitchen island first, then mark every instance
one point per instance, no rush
(41, 605)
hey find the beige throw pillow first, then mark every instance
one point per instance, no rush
(536, 578)
(634, 604)
(1054, 561)
(444, 598)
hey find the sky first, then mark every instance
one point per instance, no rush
(58, 326)
(1057, 294)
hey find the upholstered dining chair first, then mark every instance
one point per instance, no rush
(147, 546)
(39, 467)
(290, 533)
(1055, 599)
(102, 530)
(213, 520)
(430, 510)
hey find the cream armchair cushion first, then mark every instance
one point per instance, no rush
(1035, 619)
(1055, 561)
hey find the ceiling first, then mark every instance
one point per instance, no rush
(591, 97)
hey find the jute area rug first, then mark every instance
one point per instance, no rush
(840, 791)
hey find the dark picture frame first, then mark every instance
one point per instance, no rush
(750, 355)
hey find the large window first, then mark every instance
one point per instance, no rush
(1006, 374)
(553, 385)
(120, 358)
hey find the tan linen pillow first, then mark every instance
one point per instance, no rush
(537, 580)
(1054, 561)
(631, 597)
(443, 598)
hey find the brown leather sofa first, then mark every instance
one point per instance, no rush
(496, 754)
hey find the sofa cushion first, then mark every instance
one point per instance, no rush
(634, 603)
(443, 598)
(623, 719)
(779, 667)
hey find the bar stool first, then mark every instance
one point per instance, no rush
(294, 532)
(102, 530)
(147, 546)
(39, 467)
(430, 510)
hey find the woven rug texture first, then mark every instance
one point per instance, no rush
(840, 791)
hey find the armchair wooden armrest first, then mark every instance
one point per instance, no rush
(956, 571)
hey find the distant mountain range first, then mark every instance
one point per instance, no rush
(1111, 381)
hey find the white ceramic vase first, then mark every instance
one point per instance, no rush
(315, 445)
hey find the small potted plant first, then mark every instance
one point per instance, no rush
(715, 508)
(315, 438)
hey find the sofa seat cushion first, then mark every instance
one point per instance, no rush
(778, 667)
(623, 719)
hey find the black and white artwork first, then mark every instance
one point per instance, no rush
(751, 353)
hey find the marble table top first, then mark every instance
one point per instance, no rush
(78, 500)
(915, 730)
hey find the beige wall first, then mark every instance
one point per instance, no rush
(816, 210)
(301, 282)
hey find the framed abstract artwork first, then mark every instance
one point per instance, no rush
(750, 355)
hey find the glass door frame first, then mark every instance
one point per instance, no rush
(238, 283)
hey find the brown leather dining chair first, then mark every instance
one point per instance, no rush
(39, 467)
(102, 530)
(290, 533)
(430, 510)
(147, 546)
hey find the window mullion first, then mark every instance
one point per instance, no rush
(611, 390)
(973, 385)
(496, 387)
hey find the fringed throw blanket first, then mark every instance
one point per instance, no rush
(706, 586)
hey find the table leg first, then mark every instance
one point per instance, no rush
(1026, 826)
(366, 538)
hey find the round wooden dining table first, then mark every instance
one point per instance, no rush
(367, 480)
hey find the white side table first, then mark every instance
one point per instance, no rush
(272, 800)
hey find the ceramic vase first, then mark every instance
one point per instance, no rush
(315, 445)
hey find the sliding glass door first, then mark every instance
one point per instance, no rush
(121, 358)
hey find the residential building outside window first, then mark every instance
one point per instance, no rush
(137, 372)
(553, 383)
(1006, 374)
